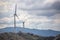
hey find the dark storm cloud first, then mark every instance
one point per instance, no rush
(49, 6)
(47, 13)
(50, 9)
(56, 5)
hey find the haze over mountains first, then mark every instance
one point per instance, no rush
(32, 31)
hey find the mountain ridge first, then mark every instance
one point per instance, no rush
(32, 31)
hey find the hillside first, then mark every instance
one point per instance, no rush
(18, 36)
(25, 36)
(33, 31)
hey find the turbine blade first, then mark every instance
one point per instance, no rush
(17, 16)
(15, 9)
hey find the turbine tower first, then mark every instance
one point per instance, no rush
(15, 15)
(23, 24)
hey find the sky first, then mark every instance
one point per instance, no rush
(37, 14)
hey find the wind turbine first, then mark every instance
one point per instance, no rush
(15, 15)
(23, 24)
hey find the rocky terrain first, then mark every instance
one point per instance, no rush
(25, 36)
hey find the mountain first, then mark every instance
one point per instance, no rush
(32, 31)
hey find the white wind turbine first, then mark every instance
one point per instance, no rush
(15, 15)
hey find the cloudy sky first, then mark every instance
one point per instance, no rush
(37, 14)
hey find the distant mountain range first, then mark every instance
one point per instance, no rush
(32, 31)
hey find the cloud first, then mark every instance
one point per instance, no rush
(56, 18)
(2, 26)
(6, 20)
(56, 5)
(37, 14)
(44, 12)
(45, 23)
(46, 5)
(39, 4)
